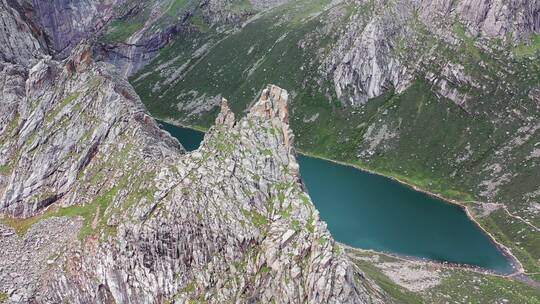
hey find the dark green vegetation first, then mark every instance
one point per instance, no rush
(478, 151)
(133, 15)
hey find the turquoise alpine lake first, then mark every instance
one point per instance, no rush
(369, 211)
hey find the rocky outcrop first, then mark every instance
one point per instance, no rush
(368, 61)
(267, 4)
(219, 12)
(224, 225)
(234, 12)
(493, 18)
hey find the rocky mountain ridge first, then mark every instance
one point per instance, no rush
(100, 206)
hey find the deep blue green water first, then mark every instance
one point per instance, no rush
(189, 138)
(373, 212)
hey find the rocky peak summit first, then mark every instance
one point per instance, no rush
(225, 116)
(272, 104)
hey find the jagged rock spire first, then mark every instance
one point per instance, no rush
(272, 103)
(226, 116)
(273, 106)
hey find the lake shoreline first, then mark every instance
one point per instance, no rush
(431, 262)
(505, 251)
(516, 264)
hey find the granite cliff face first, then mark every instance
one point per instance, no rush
(367, 61)
(67, 22)
(518, 18)
(363, 64)
(19, 43)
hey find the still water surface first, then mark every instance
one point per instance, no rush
(373, 212)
